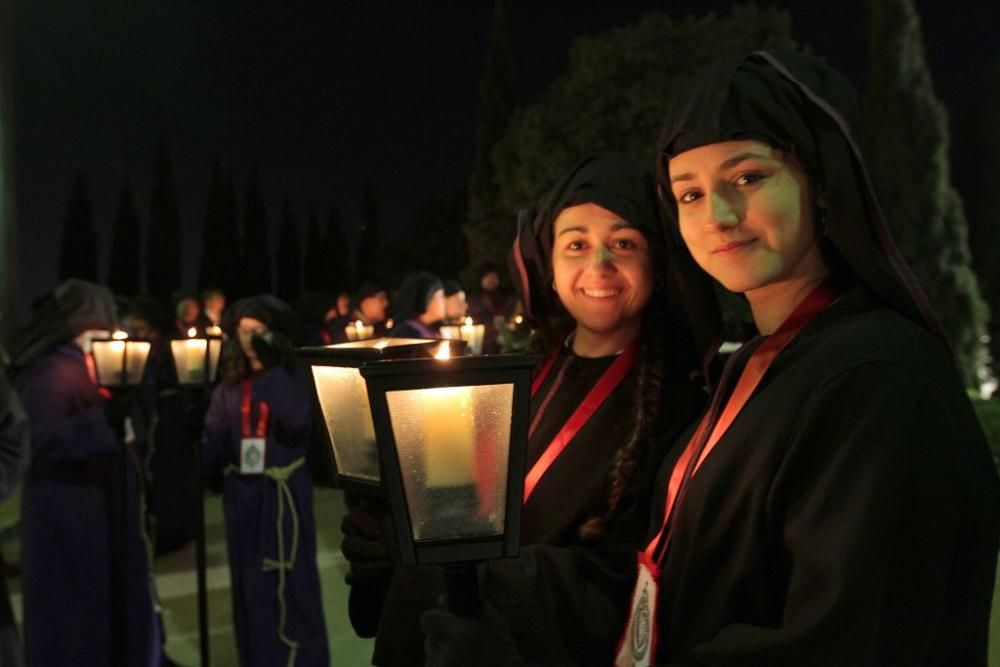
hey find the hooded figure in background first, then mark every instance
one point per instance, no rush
(76, 431)
(418, 307)
(257, 433)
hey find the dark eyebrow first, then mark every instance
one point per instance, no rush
(726, 164)
(615, 226)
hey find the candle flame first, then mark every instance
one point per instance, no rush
(443, 351)
(358, 325)
(213, 330)
(192, 332)
(518, 319)
(119, 335)
(468, 321)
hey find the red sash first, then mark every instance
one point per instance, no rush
(263, 410)
(607, 383)
(710, 431)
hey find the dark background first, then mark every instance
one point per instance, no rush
(322, 95)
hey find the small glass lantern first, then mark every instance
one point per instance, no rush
(194, 354)
(358, 330)
(119, 361)
(471, 333)
(452, 434)
(343, 411)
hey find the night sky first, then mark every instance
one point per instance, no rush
(323, 95)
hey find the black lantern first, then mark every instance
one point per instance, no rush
(119, 361)
(196, 358)
(341, 399)
(452, 434)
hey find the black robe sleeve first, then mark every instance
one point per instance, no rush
(883, 521)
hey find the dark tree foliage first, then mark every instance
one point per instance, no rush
(433, 242)
(163, 243)
(126, 240)
(979, 162)
(369, 263)
(614, 95)
(255, 268)
(488, 221)
(219, 266)
(289, 259)
(78, 254)
(908, 130)
(313, 263)
(335, 258)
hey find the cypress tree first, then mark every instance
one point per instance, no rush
(369, 264)
(214, 245)
(256, 264)
(289, 256)
(910, 166)
(983, 196)
(163, 243)
(126, 239)
(313, 273)
(489, 229)
(78, 255)
(336, 255)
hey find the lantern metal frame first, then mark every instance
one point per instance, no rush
(122, 374)
(514, 369)
(356, 354)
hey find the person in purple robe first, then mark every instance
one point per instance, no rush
(419, 304)
(256, 432)
(76, 431)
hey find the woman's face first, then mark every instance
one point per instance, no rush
(456, 306)
(602, 268)
(435, 310)
(746, 214)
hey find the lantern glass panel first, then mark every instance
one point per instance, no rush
(453, 445)
(214, 350)
(343, 397)
(136, 354)
(189, 359)
(108, 361)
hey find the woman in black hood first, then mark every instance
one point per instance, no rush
(615, 376)
(256, 432)
(837, 504)
(418, 306)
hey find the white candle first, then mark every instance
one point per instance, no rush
(449, 437)
(473, 334)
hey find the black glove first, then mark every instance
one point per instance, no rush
(116, 409)
(363, 547)
(454, 641)
(371, 570)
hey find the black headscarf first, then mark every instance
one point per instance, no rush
(799, 105)
(452, 287)
(414, 295)
(61, 315)
(618, 183)
(267, 308)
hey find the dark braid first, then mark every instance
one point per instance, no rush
(648, 400)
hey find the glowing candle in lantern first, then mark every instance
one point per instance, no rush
(472, 334)
(449, 435)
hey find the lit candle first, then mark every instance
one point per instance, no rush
(358, 331)
(214, 330)
(449, 437)
(194, 355)
(472, 334)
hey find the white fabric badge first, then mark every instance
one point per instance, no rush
(252, 456)
(637, 647)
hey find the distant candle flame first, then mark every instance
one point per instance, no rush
(192, 332)
(518, 319)
(358, 325)
(468, 321)
(213, 330)
(443, 351)
(119, 335)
